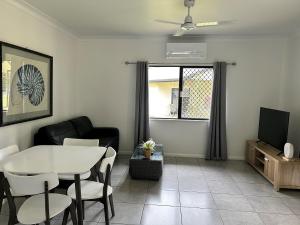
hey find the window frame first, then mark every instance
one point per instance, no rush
(180, 88)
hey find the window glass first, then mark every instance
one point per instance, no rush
(163, 92)
(197, 84)
(180, 92)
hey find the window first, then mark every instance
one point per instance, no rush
(182, 92)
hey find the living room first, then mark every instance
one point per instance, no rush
(90, 43)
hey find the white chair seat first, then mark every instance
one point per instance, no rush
(89, 190)
(32, 211)
(83, 176)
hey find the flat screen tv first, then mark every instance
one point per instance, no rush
(273, 127)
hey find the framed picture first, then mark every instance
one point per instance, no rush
(27, 84)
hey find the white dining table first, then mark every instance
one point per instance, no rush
(71, 160)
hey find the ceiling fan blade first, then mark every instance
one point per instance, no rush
(169, 22)
(207, 24)
(179, 33)
(213, 23)
(225, 22)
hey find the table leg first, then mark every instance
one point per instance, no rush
(78, 199)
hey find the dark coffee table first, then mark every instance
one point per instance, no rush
(143, 168)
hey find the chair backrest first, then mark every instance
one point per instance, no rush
(81, 142)
(108, 160)
(31, 185)
(7, 151)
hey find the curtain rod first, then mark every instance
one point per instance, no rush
(228, 63)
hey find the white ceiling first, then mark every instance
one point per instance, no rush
(136, 17)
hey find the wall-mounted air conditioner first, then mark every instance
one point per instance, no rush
(186, 50)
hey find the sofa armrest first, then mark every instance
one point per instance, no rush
(105, 131)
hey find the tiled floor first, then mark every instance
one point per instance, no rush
(195, 192)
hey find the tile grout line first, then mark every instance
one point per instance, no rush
(180, 206)
(272, 197)
(261, 218)
(283, 202)
(216, 209)
(144, 204)
(142, 214)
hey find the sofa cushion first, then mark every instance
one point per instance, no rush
(56, 133)
(83, 125)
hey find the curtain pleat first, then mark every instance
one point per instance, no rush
(217, 143)
(142, 130)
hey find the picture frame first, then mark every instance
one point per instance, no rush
(27, 84)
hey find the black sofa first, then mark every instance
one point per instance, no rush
(80, 127)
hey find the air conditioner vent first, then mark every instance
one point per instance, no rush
(186, 50)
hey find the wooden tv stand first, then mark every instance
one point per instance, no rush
(280, 172)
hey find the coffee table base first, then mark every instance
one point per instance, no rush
(145, 169)
(142, 168)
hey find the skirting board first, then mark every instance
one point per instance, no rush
(198, 156)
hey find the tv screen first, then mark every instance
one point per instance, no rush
(273, 127)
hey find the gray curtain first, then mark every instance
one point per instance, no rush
(217, 144)
(142, 131)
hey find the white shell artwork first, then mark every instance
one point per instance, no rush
(288, 150)
(31, 84)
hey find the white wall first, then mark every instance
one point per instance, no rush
(91, 79)
(25, 28)
(292, 89)
(106, 89)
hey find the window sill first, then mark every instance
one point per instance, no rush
(181, 120)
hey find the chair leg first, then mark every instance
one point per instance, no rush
(111, 202)
(1, 197)
(105, 203)
(66, 215)
(73, 214)
(11, 220)
(78, 199)
(11, 204)
(47, 222)
(83, 210)
(12, 212)
(1, 190)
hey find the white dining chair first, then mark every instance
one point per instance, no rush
(7, 151)
(4, 154)
(110, 152)
(42, 205)
(98, 191)
(78, 142)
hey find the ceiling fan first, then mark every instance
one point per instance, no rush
(188, 24)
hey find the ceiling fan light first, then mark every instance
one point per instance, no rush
(188, 26)
(184, 28)
(213, 23)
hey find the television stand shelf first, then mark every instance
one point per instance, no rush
(280, 172)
